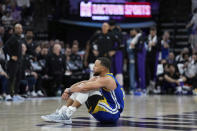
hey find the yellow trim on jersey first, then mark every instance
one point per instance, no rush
(109, 73)
(98, 108)
(123, 93)
(105, 89)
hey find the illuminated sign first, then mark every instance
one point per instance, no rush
(128, 9)
(85, 9)
(107, 9)
(137, 9)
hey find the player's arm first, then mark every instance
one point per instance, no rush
(67, 92)
(91, 85)
(81, 82)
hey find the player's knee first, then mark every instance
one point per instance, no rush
(73, 96)
(82, 97)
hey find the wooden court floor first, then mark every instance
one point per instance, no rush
(141, 113)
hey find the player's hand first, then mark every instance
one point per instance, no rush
(95, 52)
(132, 46)
(34, 74)
(4, 74)
(177, 82)
(15, 58)
(65, 96)
(111, 53)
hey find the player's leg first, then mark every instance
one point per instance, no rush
(79, 98)
(119, 67)
(66, 113)
(58, 111)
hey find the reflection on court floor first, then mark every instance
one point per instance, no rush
(147, 113)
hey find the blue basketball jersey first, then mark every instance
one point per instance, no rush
(109, 108)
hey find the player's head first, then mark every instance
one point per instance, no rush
(134, 31)
(18, 29)
(112, 24)
(57, 49)
(105, 28)
(172, 68)
(153, 31)
(102, 64)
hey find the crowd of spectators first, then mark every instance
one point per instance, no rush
(48, 67)
(144, 63)
(45, 67)
(149, 60)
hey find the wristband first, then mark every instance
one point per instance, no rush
(69, 90)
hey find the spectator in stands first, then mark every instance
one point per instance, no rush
(23, 86)
(29, 77)
(51, 43)
(3, 79)
(153, 47)
(26, 11)
(29, 42)
(76, 59)
(131, 57)
(7, 19)
(171, 59)
(38, 63)
(23, 3)
(104, 42)
(160, 79)
(55, 68)
(3, 74)
(173, 82)
(74, 66)
(37, 51)
(92, 52)
(67, 53)
(13, 49)
(180, 57)
(193, 24)
(15, 13)
(165, 45)
(44, 51)
(140, 62)
(190, 71)
(117, 51)
(9, 31)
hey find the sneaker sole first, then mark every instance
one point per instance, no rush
(46, 118)
(63, 121)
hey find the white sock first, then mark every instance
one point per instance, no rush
(70, 110)
(179, 89)
(63, 108)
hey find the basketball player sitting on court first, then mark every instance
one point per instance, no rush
(103, 95)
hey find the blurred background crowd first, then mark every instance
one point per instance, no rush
(36, 62)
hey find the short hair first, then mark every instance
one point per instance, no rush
(136, 29)
(153, 28)
(171, 64)
(29, 30)
(105, 62)
(112, 23)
